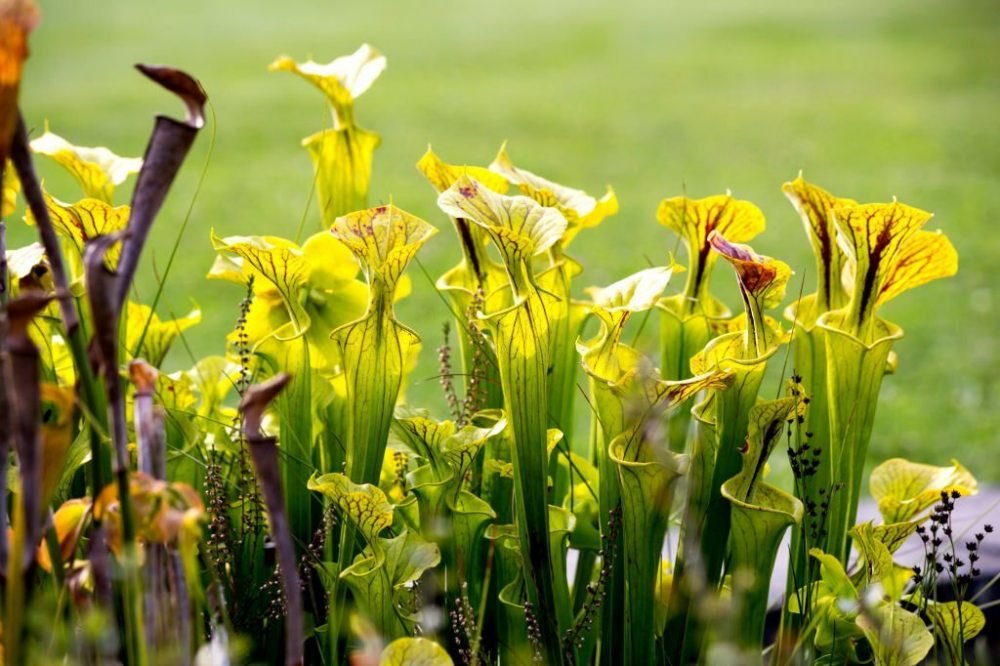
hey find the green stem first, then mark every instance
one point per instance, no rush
(522, 358)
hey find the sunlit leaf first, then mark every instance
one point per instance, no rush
(97, 170)
(581, 210)
(905, 489)
(926, 256)
(384, 239)
(877, 565)
(694, 220)
(57, 434)
(376, 349)
(363, 504)
(342, 155)
(442, 175)
(343, 161)
(461, 449)
(767, 423)
(814, 205)
(280, 265)
(898, 636)
(68, 522)
(520, 226)
(414, 652)
(161, 509)
(382, 580)
(342, 80)
(85, 220)
(955, 625)
(157, 335)
(835, 580)
(882, 242)
(636, 293)
(8, 195)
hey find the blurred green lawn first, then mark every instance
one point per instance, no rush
(872, 100)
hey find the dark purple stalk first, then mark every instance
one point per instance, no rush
(149, 427)
(4, 402)
(264, 453)
(102, 285)
(20, 156)
(105, 311)
(162, 574)
(25, 406)
(168, 146)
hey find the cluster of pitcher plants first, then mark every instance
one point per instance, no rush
(284, 502)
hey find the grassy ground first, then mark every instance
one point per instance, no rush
(873, 100)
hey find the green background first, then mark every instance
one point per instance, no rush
(871, 99)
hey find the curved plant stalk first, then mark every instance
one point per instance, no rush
(93, 398)
(854, 377)
(341, 155)
(646, 478)
(102, 290)
(743, 355)
(762, 283)
(566, 317)
(687, 319)
(375, 348)
(520, 333)
(374, 351)
(168, 146)
(151, 448)
(636, 474)
(5, 406)
(761, 513)
(507, 588)
(814, 206)
(264, 454)
(469, 285)
(888, 253)
(21, 159)
(17, 20)
(25, 403)
(610, 365)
